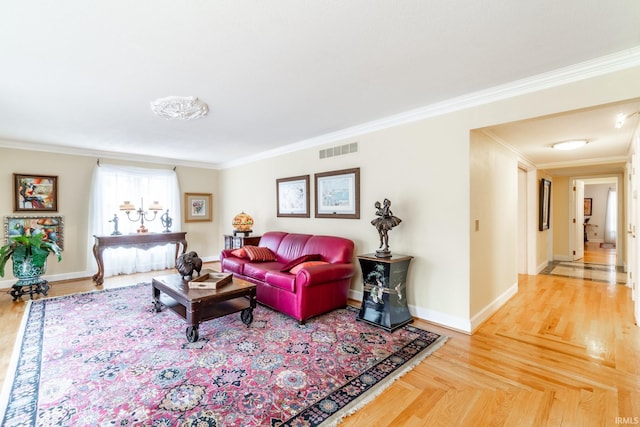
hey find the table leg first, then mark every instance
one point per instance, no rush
(99, 276)
(192, 316)
(157, 305)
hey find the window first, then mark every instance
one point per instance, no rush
(111, 186)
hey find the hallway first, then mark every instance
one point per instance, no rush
(598, 264)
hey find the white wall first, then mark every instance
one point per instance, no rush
(494, 229)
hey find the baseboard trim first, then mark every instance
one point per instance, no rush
(7, 284)
(492, 307)
(432, 316)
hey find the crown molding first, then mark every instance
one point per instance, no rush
(584, 162)
(596, 67)
(63, 149)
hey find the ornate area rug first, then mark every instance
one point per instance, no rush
(106, 358)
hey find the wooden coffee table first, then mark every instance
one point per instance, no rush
(199, 305)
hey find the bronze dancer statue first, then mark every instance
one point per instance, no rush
(383, 223)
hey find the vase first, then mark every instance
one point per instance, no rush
(26, 272)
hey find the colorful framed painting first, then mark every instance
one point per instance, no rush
(338, 194)
(293, 196)
(198, 207)
(52, 226)
(35, 193)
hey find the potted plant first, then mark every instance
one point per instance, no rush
(29, 250)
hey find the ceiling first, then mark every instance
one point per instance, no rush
(606, 150)
(80, 76)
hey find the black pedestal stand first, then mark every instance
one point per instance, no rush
(39, 287)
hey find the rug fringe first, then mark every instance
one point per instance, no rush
(358, 404)
(13, 364)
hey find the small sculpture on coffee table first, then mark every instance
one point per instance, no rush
(187, 263)
(383, 223)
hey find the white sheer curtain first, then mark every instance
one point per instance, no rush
(111, 186)
(610, 217)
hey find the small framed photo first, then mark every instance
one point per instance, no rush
(293, 196)
(35, 193)
(587, 206)
(338, 194)
(198, 207)
(52, 226)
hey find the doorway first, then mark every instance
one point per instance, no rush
(595, 232)
(601, 235)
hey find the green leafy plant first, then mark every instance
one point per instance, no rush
(32, 243)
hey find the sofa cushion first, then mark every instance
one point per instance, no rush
(292, 246)
(306, 264)
(333, 249)
(257, 253)
(271, 240)
(282, 280)
(234, 265)
(312, 257)
(240, 253)
(258, 270)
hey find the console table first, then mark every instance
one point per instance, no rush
(384, 301)
(140, 241)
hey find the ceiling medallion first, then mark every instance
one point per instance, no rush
(179, 108)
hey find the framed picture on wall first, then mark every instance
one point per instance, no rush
(51, 226)
(293, 196)
(338, 194)
(35, 193)
(545, 204)
(587, 206)
(198, 207)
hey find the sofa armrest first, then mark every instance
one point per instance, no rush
(317, 274)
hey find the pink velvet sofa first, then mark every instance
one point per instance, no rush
(305, 276)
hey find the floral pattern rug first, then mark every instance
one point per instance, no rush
(107, 358)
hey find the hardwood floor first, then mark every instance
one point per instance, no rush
(562, 351)
(593, 253)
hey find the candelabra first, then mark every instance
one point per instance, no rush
(128, 207)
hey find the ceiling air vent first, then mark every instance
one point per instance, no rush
(339, 150)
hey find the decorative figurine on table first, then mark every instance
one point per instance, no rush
(166, 221)
(115, 220)
(383, 223)
(187, 263)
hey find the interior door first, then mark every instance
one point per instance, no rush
(578, 220)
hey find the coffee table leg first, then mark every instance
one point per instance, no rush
(192, 333)
(157, 305)
(247, 316)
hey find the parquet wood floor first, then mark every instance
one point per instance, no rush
(561, 352)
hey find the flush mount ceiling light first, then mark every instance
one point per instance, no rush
(179, 108)
(570, 145)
